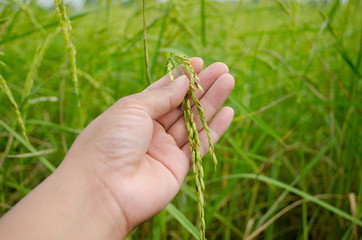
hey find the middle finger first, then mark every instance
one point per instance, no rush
(207, 79)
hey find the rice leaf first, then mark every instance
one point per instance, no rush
(174, 212)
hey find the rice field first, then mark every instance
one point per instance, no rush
(290, 165)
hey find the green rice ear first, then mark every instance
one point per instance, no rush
(179, 61)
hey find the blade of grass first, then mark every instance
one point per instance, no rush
(31, 16)
(309, 167)
(54, 126)
(353, 204)
(35, 154)
(159, 40)
(257, 120)
(341, 49)
(61, 104)
(66, 31)
(273, 219)
(103, 90)
(5, 88)
(229, 224)
(46, 26)
(296, 191)
(262, 109)
(243, 154)
(27, 145)
(148, 73)
(7, 149)
(320, 33)
(347, 234)
(10, 26)
(203, 22)
(278, 215)
(251, 204)
(174, 212)
(222, 196)
(38, 57)
(131, 42)
(304, 204)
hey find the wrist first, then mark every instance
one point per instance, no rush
(98, 208)
(69, 204)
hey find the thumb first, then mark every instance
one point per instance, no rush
(158, 102)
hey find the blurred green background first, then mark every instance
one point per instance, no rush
(290, 165)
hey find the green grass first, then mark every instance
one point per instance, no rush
(289, 161)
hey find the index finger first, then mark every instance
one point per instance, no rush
(196, 62)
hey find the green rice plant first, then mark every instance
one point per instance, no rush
(298, 192)
(297, 102)
(203, 22)
(25, 142)
(173, 211)
(148, 73)
(177, 61)
(31, 16)
(39, 54)
(160, 38)
(5, 88)
(103, 90)
(66, 31)
(12, 37)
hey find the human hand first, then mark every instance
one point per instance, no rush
(139, 148)
(126, 165)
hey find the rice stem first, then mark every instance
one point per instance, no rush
(148, 73)
(66, 31)
(5, 88)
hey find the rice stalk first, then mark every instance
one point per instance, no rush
(160, 38)
(31, 16)
(5, 88)
(61, 105)
(104, 91)
(148, 73)
(7, 149)
(304, 195)
(66, 31)
(27, 145)
(29, 81)
(176, 61)
(203, 22)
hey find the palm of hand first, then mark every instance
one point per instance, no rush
(145, 167)
(139, 146)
